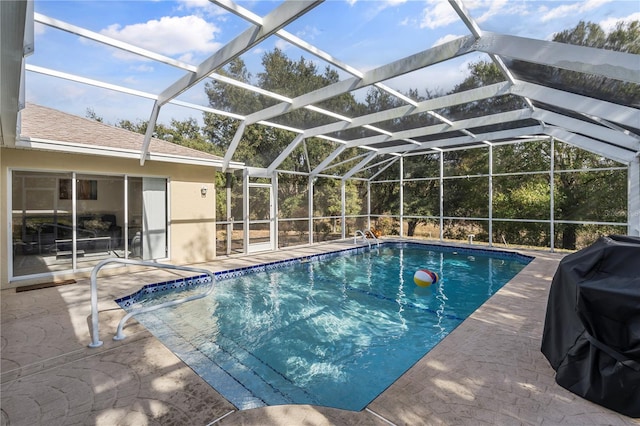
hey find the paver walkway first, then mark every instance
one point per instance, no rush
(488, 371)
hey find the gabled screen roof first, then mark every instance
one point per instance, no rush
(155, 61)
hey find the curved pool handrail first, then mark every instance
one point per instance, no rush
(95, 340)
(365, 238)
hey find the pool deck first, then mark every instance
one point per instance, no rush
(488, 371)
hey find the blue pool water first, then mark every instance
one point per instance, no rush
(333, 332)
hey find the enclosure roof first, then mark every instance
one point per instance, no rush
(597, 122)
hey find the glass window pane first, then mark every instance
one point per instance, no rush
(99, 218)
(41, 214)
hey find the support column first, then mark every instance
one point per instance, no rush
(490, 195)
(245, 211)
(401, 197)
(343, 199)
(441, 195)
(633, 210)
(274, 189)
(311, 178)
(368, 204)
(552, 228)
(229, 219)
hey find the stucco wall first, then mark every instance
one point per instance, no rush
(191, 216)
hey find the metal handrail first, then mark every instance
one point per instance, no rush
(372, 236)
(95, 341)
(364, 237)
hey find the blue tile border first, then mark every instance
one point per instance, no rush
(199, 280)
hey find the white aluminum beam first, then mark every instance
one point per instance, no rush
(276, 19)
(455, 48)
(439, 128)
(100, 38)
(452, 49)
(284, 154)
(287, 36)
(296, 41)
(602, 62)
(359, 166)
(467, 96)
(320, 167)
(614, 137)
(462, 140)
(462, 12)
(633, 209)
(232, 147)
(126, 90)
(13, 41)
(609, 111)
(597, 147)
(389, 164)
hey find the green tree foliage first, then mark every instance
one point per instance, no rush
(91, 114)
(624, 38)
(523, 193)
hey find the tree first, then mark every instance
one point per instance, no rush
(576, 193)
(91, 114)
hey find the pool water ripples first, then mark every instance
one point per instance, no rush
(335, 332)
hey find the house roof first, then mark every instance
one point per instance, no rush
(50, 129)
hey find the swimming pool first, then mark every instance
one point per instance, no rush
(333, 330)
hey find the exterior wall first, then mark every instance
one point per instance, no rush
(191, 215)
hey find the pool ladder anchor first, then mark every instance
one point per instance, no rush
(363, 235)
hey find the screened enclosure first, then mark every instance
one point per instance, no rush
(536, 144)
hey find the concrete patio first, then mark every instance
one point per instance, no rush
(487, 371)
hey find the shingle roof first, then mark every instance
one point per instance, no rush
(40, 122)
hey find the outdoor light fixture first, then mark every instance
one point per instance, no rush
(203, 191)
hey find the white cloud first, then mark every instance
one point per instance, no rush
(169, 35)
(143, 68)
(501, 8)
(571, 9)
(39, 29)
(308, 33)
(437, 14)
(609, 24)
(202, 6)
(282, 45)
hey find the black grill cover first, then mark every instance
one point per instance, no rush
(592, 327)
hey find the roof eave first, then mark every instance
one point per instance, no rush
(77, 148)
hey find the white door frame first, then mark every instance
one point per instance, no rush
(265, 245)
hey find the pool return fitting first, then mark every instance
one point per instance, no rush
(93, 329)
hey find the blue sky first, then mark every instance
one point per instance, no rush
(364, 34)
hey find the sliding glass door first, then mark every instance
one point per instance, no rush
(71, 221)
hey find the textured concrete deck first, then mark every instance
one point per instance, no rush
(489, 370)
